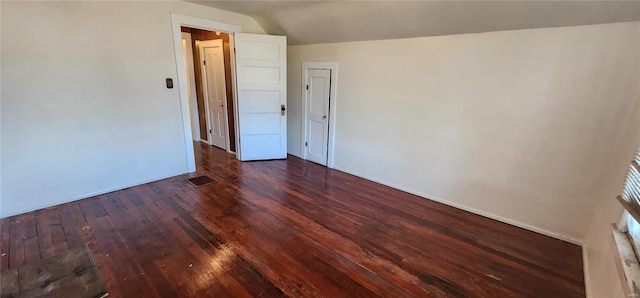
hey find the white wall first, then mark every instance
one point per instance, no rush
(517, 125)
(84, 106)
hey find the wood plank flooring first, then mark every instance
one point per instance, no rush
(291, 228)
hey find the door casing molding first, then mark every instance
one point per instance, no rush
(178, 21)
(191, 88)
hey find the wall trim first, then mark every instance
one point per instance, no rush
(93, 194)
(469, 209)
(585, 269)
(191, 88)
(234, 85)
(177, 21)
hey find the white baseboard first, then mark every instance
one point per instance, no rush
(95, 193)
(296, 154)
(469, 209)
(585, 268)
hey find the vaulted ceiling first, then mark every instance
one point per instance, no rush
(309, 22)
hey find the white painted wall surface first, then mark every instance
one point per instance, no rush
(517, 125)
(84, 104)
(601, 268)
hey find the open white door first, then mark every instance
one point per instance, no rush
(261, 71)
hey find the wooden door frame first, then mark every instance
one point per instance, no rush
(191, 88)
(203, 77)
(178, 21)
(333, 99)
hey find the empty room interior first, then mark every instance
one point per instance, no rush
(320, 149)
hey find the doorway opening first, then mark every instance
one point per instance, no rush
(210, 87)
(319, 85)
(257, 86)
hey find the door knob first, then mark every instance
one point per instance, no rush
(282, 109)
(324, 117)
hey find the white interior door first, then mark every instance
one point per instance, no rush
(261, 71)
(212, 58)
(317, 109)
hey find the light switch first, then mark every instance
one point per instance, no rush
(169, 83)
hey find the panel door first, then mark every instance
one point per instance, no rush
(261, 70)
(318, 90)
(215, 90)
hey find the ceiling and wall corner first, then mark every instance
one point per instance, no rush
(56, 147)
(312, 22)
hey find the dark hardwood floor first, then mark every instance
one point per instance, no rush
(291, 228)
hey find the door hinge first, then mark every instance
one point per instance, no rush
(209, 130)
(204, 62)
(234, 50)
(307, 87)
(306, 144)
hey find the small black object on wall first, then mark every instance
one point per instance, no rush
(169, 83)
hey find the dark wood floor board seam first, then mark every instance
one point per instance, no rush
(185, 229)
(291, 228)
(16, 249)
(376, 260)
(4, 245)
(419, 203)
(467, 240)
(129, 265)
(181, 211)
(265, 196)
(340, 233)
(455, 234)
(260, 259)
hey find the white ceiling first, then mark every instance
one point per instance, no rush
(309, 22)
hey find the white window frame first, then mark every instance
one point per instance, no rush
(626, 256)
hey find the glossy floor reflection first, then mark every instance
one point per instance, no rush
(292, 228)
